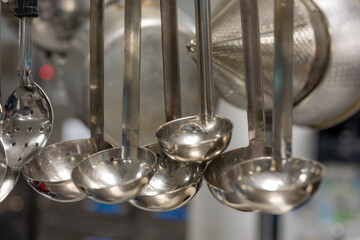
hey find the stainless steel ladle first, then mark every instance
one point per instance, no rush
(173, 183)
(27, 119)
(50, 173)
(280, 183)
(118, 174)
(224, 169)
(202, 137)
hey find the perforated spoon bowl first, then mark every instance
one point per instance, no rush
(27, 119)
(50, 173)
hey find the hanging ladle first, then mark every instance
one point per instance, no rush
(50, 173)
(27, 119)
(118, 174)
(202, 137)
(223, 169)
(280, 183)
(174, 183)
(8, 176)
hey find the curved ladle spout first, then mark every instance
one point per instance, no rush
(280, 183)
(118, 174)
(222, 172)
(198, 138)
(53, 167)
(27, 119)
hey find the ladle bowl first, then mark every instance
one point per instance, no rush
(189, 140)
(277, 186)
(221, 173)
(172, 185)
(49, 174)
(109, 177)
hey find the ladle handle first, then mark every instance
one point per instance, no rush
(171, 70)
(131, 87)
(253, 78)
(283, 74)
(97, 72)
(204, 58)
(25, 10)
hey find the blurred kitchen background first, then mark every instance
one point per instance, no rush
(333, 214)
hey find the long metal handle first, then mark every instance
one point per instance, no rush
(204, 58)
(1, 105)
(25, 47)
(283, 74)
(252, 61)
(131, 90)
(171, 70)
(97, 72)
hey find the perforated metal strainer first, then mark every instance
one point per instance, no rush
(326, 59)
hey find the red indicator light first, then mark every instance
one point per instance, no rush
(47, 72)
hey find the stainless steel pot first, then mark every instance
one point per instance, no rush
(76, 71)
(326, 58)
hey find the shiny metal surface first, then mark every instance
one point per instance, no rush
(170, 52)
(222, 173)
(118, 174)
(321, 70)
(229, 72)
(339, 84)
(198, 138)
(188, 140)
(219, 182)
(282, 119)
(173, 184)
(50, 173)
(9, 182)
(281, 183)
(27, 119)
(131, 83)
(204, 63)
(277, 187)
(109, 177)
(76, 75)
(3, 161)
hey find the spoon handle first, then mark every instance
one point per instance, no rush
(97, 72)
(253, 79)
(204, 59)
(171, 70)
(131, 87)
(283, 74)
(25, 48)
(25, 10)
